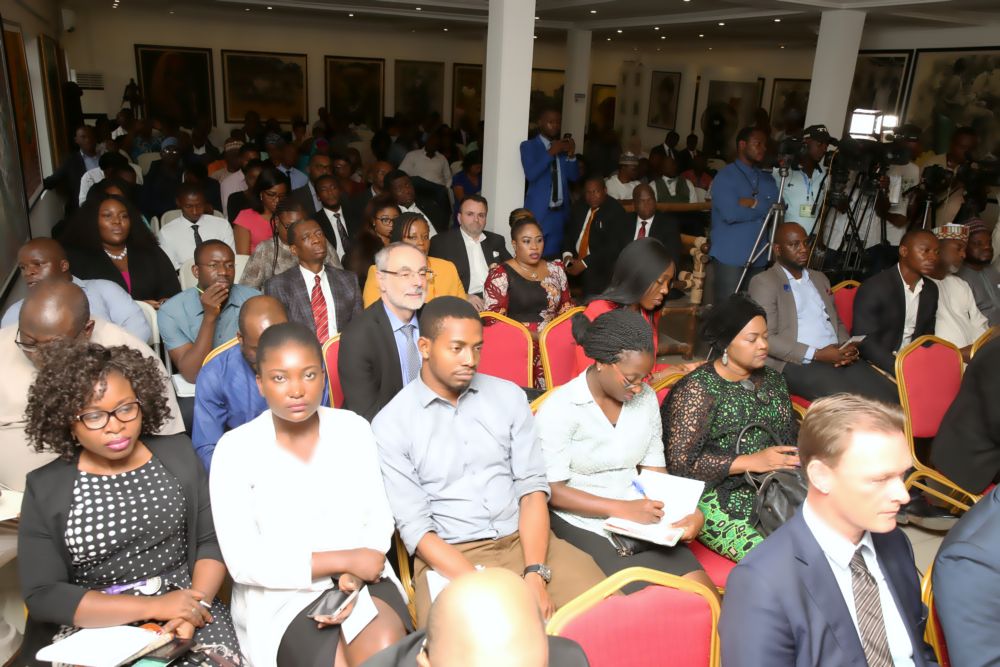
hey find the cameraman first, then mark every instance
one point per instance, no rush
(958, 160)
(807, 180)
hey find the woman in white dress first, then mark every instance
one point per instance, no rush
(301, 509)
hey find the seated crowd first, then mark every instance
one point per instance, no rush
(295, 477)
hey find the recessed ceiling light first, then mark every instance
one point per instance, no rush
(658, 49)
(710, 48)
(782, 46)
(445, 29)
(663, 36)
(656, 27)
(593, 11)
(701, 35)
(536, 18)
(270, 7)
(722, 23)
(536, 37)
(171, 11)
(351, 16)
(418, 8)
(609, 39)
(619, 31)
(777, 20)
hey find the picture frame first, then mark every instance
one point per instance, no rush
(547, 89)
(53, 76)
(603, 100)
(356, 88)
(467, 94)
(880, 78)
(664, 95)
(177, 83)
(728, 106)
(24, 111)
(276, 85)
(787, 111)
(419, 88)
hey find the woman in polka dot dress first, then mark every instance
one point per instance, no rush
(118, 530)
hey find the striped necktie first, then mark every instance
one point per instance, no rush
(319, 312)
(868, 608)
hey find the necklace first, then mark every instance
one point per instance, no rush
(534, 274)
(117, 257)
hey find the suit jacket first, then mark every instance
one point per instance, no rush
(664, 228)
(966, 580)
(685, 159)
(880, 314)
(783, 605)
(304, 197)
(967, 446)
(537, 165)
(607, 238)
(158, 193)
(562, 653)
(771, 290)
(289, 288)
(451, 246)
(351, 221)
(370, 372)
(66, 179)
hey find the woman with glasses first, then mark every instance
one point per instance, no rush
(595, 432)
(118, 530)
(380, 216)
(442, 276)
(707, 409)
(256, 224)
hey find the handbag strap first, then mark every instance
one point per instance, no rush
(763, 427)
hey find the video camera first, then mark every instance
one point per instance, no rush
(866, 158)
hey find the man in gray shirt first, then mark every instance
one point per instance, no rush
(982, 277)
(464, 478)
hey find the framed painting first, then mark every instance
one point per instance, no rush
(729, 105)
(466, 96)
(789, 100)
(354, 88)
(603, 98)
(879, 82)
(272, 84)
(177, 83)
(664, 91)
(52, 79)
(547, 87)
(951, 88)
(24, 111)
(419, 88)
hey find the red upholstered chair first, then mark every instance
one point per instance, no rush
(934, 634)
(929, 373)
(673, 623)
(800, 402)
(843, 299)
(331, 351)
(716, 567)
(558, 349)
(507, 349)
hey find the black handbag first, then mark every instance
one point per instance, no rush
(779, 493)
(629, 546)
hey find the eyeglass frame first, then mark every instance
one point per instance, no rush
(108, 414)
(31, 348)
(631, 385)
(427, 274)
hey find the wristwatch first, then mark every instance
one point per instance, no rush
(541, 570)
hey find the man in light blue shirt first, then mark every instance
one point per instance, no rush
(43, 258)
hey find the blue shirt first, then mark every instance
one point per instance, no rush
(108, 301)
(815, 330)
(180, 317)
(467, 186)
(298, 179)
(803, 195)
(402, 344)
(226, 396)
(735, 227)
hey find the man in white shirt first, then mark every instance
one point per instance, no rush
(428, 164)
(107, 165)
(959, 320)
(671, 187)
(181, 236)
(621, 183)
(231, 156)
(836, 585)
(804, 186)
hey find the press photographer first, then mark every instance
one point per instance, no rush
(807, 178)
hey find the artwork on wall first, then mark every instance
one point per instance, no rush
(729, 105)
(419, 88)
(603, 98)
(354, 88)
(664, 91)
(789, 100)
(53, 76)
(176, 82)
(547, 86)
(466, 96)
(13, 205)
(24, 111)
(951, 88)
(879, 82)
(272, 84)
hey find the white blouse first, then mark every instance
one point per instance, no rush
(582, 448)
(272, 510)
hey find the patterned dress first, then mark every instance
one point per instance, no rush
(702, 418)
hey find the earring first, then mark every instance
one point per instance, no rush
(725, 358)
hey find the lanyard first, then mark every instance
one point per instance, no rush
(809, 186)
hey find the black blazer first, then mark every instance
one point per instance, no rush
(66, 179)
(880, 314)
(664, 228)
(451, 246)
(152, 273)
(158, 193)
(437, 216)
(562, 652)
(289, 288)
(50, 595)
(368, 364)
(607, 238)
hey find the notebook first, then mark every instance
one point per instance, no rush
(679, 496)
(99, 647)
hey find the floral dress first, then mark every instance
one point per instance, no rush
(534, 303)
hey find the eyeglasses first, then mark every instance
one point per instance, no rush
(406, 275)
(98, 419)
(386, 219)
(631, 385)
(31, 348)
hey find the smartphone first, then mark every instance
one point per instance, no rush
(168, 653)
(853, 340)
(331, 603)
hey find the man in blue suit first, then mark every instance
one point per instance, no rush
(549, 167)
(836, 585)
(967, 585)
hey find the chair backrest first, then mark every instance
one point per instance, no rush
(185, 276)
(929, 373)
(241, 265)
(558, 349)
(537, 403)
(672, 623)
(662, 388)
(934, 634)
(169, 216)
(232, 342)
(507, 349)
(843, 300)
(331, 353)
(987, 336)
(145, 160)
(150, 314)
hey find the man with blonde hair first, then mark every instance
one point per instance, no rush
(836, 585)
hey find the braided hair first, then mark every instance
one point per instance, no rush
(612, 334)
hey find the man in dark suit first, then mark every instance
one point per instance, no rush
(319, 165)
(159, 187)
(339, 223)
(315, 293)
(549, 165)
(398, 184)
(685, 158)
(898, 305)
(967, 585)
(378, 351)
(596, 233)
(67, 177)
(807, 341)
(375, 178)
(471, 248)
(836, 586)
(649, 222)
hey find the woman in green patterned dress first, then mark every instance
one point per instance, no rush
(706, 411)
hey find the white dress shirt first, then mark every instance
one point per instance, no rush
(671, 184)
(638, 227)
(815, 330)
(177, 237)
(324, 285)
(92, 177)
(912, 306)
(619, 190)
(478, 268)
(273, 510)
(332, 217)
(839, 551)
(959, 320)
(434, 169)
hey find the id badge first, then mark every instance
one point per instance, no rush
(806, 211)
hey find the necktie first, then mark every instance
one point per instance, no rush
(642, 229)
(319, 312)
(342, 231)
(197, 236)
(555, 180)
(584, 248)
(868, 608)
(412, 356)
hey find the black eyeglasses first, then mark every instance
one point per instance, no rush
(98, 419)
(406, 275)
(31, 348)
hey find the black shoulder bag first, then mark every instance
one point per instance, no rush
(779, 492)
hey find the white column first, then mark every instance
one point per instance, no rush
(576, 94)
(833, 68)
(510, 47)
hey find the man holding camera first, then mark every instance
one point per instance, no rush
(549, 167)
(806, 181)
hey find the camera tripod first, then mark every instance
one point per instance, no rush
(775, 217)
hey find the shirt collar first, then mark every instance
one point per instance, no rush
(309, 275)
(426, 396)
(579, 390)
(394, 322)
(469, 239)
(906, 287)
(791, 278)
(835, 546)
(545, 142)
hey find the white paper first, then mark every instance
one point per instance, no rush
(436, 583)
(10, 504)
(679, 496)
(182, 387)
(364, 612)
(98, 647)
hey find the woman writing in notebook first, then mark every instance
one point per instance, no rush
(300, 510)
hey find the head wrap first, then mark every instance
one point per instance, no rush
(952, 233)
(726, 320)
